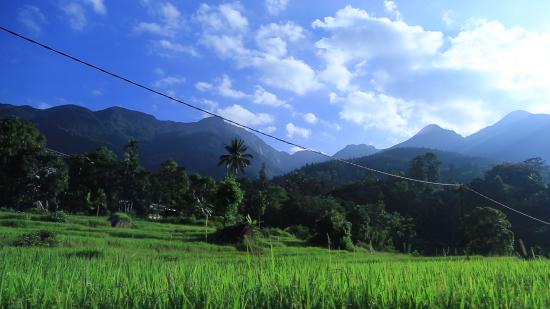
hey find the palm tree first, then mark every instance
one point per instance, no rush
(236, 159)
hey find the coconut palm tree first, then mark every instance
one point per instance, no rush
(236, 159)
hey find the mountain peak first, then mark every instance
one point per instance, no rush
(355, 151)
(434, 137)
(430, 128)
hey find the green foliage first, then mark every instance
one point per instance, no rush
(425, 167)
(334, 230)
(169, 187)
(120, 219)
(40, 238)
(229, 198)
(488, 232)
(56, 216)
(236, 159)
(21, 147)
(300, 231)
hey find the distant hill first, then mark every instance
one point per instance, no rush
(73, 129)
(434, 137)
(356, 151)
(516, 137)
(455, 167)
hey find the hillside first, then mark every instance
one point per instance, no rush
(73, 129)
(454, 167)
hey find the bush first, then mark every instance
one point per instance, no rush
(243, 235)
(58, 216)
(40, 238)
(299, 231)
(120, 219)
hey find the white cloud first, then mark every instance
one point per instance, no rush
(264, 97)
(222, 18)
(241, 115)
(169, 49)
(76, 16)
(310, 118)
(272, 38)
(391, 7)
(203, 86)
(293, 130)
(169, 81)
(356, 35)
(32, 18)
(170, 21)
(223, 87)
(372, 110)
(275, 7)
(44, 105)
(287, 73)
(98, 6)
(97, 92)
(295, 149)
(448, 18)
(269, 129)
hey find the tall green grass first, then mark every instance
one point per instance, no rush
(164, 266)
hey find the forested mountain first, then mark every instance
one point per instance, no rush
(73, 129)
(356, 151)
(455, 167)
(516, 137)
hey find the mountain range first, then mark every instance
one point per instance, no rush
(74, 129)
(516, 137)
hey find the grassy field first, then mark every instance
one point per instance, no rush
(165, 266)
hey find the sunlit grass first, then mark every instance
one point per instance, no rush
(166, 265)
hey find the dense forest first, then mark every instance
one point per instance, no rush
(363, 211)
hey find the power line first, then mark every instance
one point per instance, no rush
(117, 76)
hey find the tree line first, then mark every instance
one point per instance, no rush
(374, 213)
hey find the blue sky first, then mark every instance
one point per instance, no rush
(320, 73)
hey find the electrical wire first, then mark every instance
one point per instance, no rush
(117, 76)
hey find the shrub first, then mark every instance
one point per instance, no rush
(299, 231)
(243, 235)
(120, 219)
(58, 216)
(40, 238)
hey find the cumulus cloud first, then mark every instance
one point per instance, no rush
(264, 97)
(372, 110)
(287, 73)
(223, 87)
(241, 115)
(169, 81)
(272, 38)
(293, 130)
(169, 21)
(98, 6)
(391, 7)
(168, 48)
(32, 18)
(76, 16)
(310, 118)
(275, 7)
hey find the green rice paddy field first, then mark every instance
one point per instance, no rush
(159, 265)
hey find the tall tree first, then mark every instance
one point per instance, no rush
(135, 180)
(488, 232)
(21, 145)
(170, 185)
(236, 159)
(229, 198)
